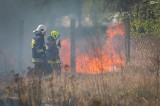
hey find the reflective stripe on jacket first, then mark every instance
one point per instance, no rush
(38, 47)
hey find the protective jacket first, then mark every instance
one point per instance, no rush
(38, 47)
(52, 50)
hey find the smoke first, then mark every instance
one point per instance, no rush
(53, 13)
(33, 13)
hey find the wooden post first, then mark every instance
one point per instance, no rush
(20, 45)
(125, 5)
(73, 48)
(127, 37)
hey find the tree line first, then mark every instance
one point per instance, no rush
(144, 15)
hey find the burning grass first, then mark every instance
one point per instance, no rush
(97, 54)
(135, 84)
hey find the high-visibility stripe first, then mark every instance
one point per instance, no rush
(39, 50)
(33, 43)
(54, 62)
(37, 60)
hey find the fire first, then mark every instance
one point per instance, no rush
(99, 58)
(117, 29)
(65, 51)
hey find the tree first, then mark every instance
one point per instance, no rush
(146, 20)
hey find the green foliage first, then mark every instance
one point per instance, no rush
(146, 19)
(101, 10)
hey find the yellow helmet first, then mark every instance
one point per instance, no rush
(54, 34)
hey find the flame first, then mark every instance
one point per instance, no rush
(103, 58)
(65, 52)
(116, 29)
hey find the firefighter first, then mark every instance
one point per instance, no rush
(53, 45)
(38, 47)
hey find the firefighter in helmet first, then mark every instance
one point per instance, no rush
(38, 47)
(52, 50)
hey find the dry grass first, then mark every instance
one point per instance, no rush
(130, 87)
(134, 85)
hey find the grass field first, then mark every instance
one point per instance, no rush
(137, 83)
(132, 86)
